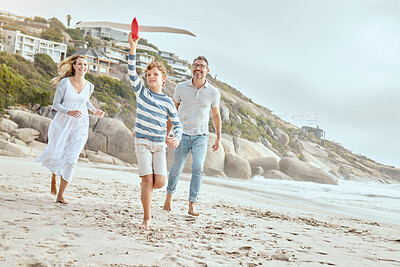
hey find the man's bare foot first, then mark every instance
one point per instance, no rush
(53, 184)
(167, 203)
(61, 200)
(192, 210)
(145, 224)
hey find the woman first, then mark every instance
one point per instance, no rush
(68, 131)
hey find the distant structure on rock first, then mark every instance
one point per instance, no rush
(68, 20)
(319, 133)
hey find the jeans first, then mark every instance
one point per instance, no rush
(198, 146)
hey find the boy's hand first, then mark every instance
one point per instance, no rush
(172, 142)
(133, 43)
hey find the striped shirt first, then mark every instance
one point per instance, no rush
(153, 110)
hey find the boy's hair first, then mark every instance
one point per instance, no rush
(201, 58)
(159, 66)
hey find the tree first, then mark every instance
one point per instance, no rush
(90, 40)
(52, 34)
(70, 50)
(40, 19)
(54, 22)
(46, 63)
(75, 34)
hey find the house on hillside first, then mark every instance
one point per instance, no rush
(115, 54)
(180, 66)
(319, 133)
(11, 16)
(78, 44)
(99, 63)
(99, 32)
(27, 46)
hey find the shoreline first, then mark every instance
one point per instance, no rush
(100, 225)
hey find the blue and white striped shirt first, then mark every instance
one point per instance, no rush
(153, 110)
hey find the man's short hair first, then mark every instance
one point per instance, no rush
(201, 58)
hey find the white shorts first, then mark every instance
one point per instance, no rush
(151, 157)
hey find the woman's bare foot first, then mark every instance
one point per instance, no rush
(167, 203)
(61, 200)
(145, 224)
(192, 210)
(53, 184)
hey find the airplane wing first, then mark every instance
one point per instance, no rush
(127, 27)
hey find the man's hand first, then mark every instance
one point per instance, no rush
(216, 145)
(172, 142)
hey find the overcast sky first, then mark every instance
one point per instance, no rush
(328, 62)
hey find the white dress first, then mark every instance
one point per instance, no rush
(67, 135)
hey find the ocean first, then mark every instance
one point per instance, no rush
(371, 201)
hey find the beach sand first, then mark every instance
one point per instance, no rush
(100, 225)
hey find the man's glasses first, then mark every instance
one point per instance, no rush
(200, 66)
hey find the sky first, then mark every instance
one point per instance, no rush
(331, 63)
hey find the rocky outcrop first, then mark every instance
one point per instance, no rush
(215, 160)
(25, 134)
(266, 163)
(236, 166)
(302, 171)
(250, 150)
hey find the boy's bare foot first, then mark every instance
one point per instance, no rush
(53, 184)
(145, 224)
(61, 200)
(167, 203)
(192, 210)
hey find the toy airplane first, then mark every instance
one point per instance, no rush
(133, 27)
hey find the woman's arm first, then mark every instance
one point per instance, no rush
(59, 96)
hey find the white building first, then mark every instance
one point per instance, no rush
(116, 54)
(27, 46)
(180, 66)
(98, 32)
(142, 60)
(11, 16)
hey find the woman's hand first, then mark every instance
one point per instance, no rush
(99, 113)
(133, 44)
(75, 113)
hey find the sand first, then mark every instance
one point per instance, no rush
(100, 225)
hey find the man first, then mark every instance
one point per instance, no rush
(193, 100)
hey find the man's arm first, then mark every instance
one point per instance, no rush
(216, 118)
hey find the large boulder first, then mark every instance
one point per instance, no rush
(283, 138)
(302, 171)
(229, 147)
(96, 142)
(250, 150)
(277, 175)
(25, 134)
(120, 141)
(7, 125)
(215, 160)
(237, 167)
(266, 163)
(15, 150)
(29, 120)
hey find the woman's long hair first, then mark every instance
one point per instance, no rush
(66, 68)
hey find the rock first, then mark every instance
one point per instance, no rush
(106, 159)
(119, 139)
(96, 142)
(252, 120)
(215, 160)
(25, 134)
(7, 125)
(290, 154)
(224, 111)
(302, 171)
(227, 137)
(5, 135)
(27, 120)
(37, 145)
(283, 138)
(93, 119)
(228, 146)
(266, 163)
(17, 141)
(274, 174)
(258, 171)
(238, 119)
(394, 173)
(36, 107)
(14, 150)
(237, 167)
(45, 111)
(268, 130)
(250, 150)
